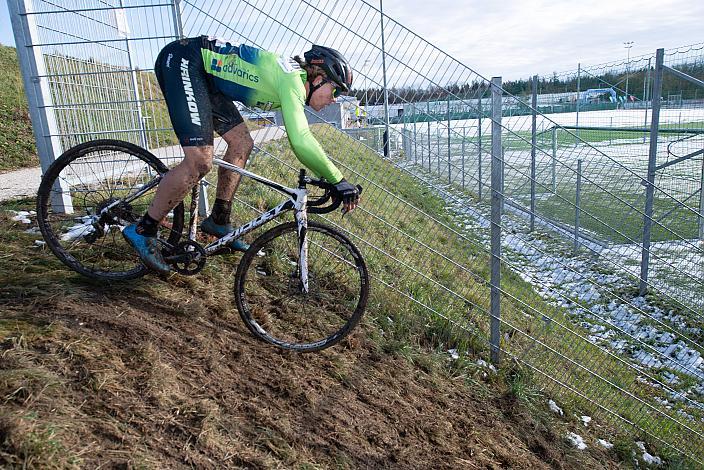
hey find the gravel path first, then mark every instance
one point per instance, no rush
(25, 182)
(20, 183)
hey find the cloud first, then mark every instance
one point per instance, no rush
(517, 39)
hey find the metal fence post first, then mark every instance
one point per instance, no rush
(577, 204)
(701, 204)
(135, 87)
(464, 138)
(479, 153)
(579, 78)
(427, 104)
(496, 203)
(178, 23)
(415, 136)
(646, 92)
(534, 102)
(38, 92)
(437, 139)
(652, 160)
(403, 135)
(449, 152)
(554, 159)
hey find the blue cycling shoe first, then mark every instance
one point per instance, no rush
(211, 228)
(147, 248)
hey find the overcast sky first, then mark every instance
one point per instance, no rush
(519, 38)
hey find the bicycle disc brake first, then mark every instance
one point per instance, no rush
(188, 258)
(119, 215)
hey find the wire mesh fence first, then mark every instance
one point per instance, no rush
(572, 186)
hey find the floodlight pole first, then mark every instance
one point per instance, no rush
(628, 46)
(386, 91)
(366, 87)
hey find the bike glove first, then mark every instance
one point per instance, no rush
(347, 191)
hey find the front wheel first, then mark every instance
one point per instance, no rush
(270, 297)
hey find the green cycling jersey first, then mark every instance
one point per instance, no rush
(262, 79)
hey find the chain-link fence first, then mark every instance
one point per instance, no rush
(455, 148)
(612, 111)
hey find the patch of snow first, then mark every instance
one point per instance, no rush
(605, 444)
(648, 458)
(576, 440)
(21, 218)
(77, 231)
(554, 408)
(586, 420)
(584, 283)
(651, 459)
(453, 354)
(486, 365)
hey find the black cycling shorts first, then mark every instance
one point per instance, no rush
(196, 108)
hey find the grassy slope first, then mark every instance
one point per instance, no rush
(561, 353)
(17, 148)
(157, 373)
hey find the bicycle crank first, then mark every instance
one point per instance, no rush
(188, 258)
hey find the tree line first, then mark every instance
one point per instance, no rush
(637, 78)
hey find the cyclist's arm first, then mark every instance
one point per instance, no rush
(305, 146)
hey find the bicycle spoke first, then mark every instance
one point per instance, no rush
(99, 178)
(294, 319)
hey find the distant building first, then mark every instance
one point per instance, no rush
(342, 113)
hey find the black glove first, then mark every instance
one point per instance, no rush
(347, 191)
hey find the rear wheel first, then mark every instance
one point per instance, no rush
(270, 299)
(72, 197)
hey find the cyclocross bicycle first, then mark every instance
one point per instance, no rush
(301, 285)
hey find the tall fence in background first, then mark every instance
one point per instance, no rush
(519, 164)
(612, 108)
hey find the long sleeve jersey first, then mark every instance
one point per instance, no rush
(258, 78)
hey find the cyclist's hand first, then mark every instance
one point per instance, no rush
(349, 194)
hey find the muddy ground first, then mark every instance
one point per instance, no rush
(163, 374)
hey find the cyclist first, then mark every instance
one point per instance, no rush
(200, 78)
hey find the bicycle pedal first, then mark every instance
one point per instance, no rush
(224, 251)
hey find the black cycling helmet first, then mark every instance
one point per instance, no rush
(333, 64)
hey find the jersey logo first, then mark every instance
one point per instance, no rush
(190, 97)
(288, 65)
(216, 65)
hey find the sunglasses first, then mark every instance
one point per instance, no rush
(336, 91)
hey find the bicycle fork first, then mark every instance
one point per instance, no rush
(302, 222)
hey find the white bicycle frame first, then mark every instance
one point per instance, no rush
(298, 199)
